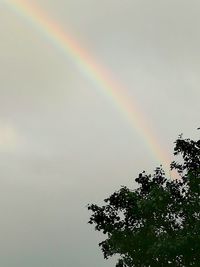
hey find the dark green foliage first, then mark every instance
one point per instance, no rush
(157, 224)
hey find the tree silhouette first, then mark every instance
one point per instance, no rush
(157, 224)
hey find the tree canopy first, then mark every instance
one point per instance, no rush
(158, 223)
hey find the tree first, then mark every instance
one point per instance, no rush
(158, 223)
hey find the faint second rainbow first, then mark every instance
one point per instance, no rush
(63, 41)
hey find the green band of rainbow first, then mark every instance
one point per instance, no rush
(63, 41)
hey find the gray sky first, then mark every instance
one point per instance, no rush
(63, 143)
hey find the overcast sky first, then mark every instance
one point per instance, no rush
(63, 144)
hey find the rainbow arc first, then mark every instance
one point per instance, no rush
(96, 73)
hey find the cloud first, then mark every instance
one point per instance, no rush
(9, 138)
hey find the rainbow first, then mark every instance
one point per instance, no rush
(96, 73)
